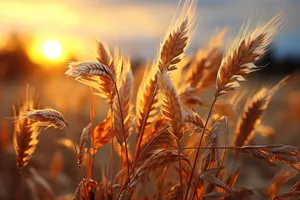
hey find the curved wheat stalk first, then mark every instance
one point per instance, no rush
(171, 51)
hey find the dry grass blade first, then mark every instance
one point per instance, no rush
(173, 193)
(47, 117)
(217, 194)
(25, 133)
(82, 143)
(240, 56)
(253, 112)
(171, 106)
(234, 178)
(214, 180)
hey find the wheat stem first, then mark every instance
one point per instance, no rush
(198, 150)
(195, 191)
(92, 116)
(79, 165)
(134, 164)
(110, 174)
(19, 184)
(180, 170)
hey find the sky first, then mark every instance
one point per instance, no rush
(137, 25)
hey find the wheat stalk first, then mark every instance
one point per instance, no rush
(171, 51)
(238, 61)
(25, 136)
(172, 112)
(25, 132)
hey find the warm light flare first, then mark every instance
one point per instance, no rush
(52, 49)
(49, 51)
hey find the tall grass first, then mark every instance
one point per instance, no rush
(189, 153)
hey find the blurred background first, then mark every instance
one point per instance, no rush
(39, 37)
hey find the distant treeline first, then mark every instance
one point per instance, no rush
(15, 64)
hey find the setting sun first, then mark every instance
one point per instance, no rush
(52, 49)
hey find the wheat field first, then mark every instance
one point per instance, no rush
(175, 134)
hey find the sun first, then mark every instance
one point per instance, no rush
(52, 49)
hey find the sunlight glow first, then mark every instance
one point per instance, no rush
(52, 49)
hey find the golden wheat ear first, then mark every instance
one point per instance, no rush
(178, 37)
(82, 143)
(253, 112)
(25, 132)
(123, 107)
(240, 55)
(172, 106)
(47, 117)
(104, 55)
(88, 69)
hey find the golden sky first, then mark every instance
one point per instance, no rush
(131, 23)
